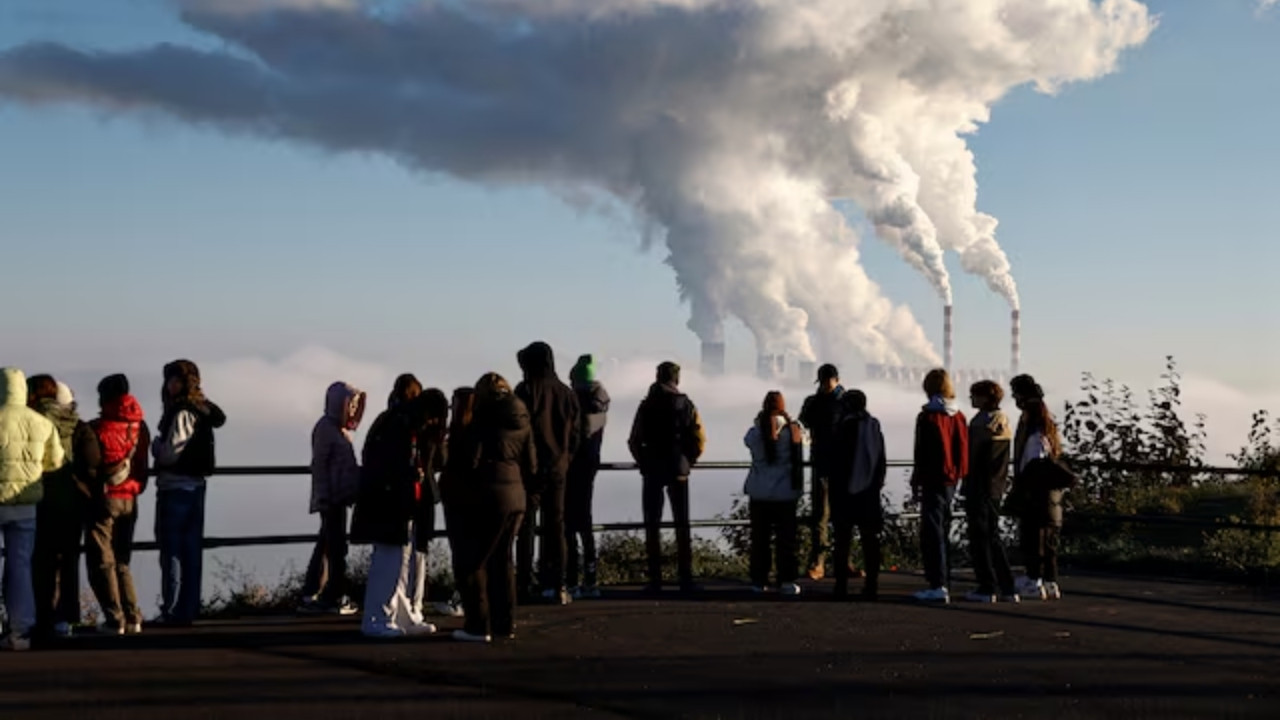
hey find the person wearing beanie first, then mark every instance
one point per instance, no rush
(593, 401)
(941, 459)
(554, 412)
(60, 514)
(666, 441)
(184, 453)
(29, 448)
(124, 439)
(820, 415)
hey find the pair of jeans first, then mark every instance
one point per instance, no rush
(55, 566)
(180, 535)
(990, 563)
(819, 520)
(107, 555)
(935, 526)
(579, 536)
(327, 572)
(18, 538)
(543, 518)
(677, 490)
(864, 512)
(773, 527)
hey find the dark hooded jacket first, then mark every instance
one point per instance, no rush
(397, 477)
(820, 415)
(502, 450)
(64, 487)
(197, 457)
(553, 411)
(666, 436)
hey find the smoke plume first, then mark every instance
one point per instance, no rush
(725, 126)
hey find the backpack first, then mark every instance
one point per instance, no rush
(117, 473)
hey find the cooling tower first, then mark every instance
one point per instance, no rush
(712, 359)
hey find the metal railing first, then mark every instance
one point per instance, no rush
(1167, 520)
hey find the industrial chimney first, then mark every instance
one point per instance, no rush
(947, 339)
(764, 366)
(1016, 358)
(712, 359)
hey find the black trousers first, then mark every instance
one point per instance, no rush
(864, 512)
(55, 564)
(1040, 550)
(579, 496)
(773, 527)
(545, 504)
(677, 490)
(327, 572)
(488, 578)
(990, 563)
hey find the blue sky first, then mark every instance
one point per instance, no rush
(1138, 211)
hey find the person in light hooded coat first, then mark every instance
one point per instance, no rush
(773, 486)
(335, 484)
(29, 448)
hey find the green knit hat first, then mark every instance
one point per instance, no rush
(584, 371)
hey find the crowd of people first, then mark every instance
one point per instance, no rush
(513, 468)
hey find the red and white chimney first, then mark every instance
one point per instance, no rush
(948, 348)
(1016, 356)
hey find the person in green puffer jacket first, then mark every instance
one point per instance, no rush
(29, 447)
(60, 516)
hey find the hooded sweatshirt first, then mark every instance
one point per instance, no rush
(66, 486)
(553, 410)
(860, 462)
(29, 444)
(820, 414)
(667, 436)
(942, 446)
(593, 402)
(122, 434)
(990, 445)
(773, 481)
(335, 474)
(185, 449)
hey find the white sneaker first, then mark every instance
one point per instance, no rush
(62, 630)
(978, 597)
(1030, 588)
(110, 628)
(133, 628)
(938, 595)
(447, 609)
(790, 589)
(1052, 591)
(464, 636)
(16, 643)
(759, 589)
(1013, 599)
(418, 629)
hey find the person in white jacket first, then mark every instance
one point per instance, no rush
(773, 487)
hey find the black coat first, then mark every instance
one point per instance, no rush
(503, 451)
(553, 412)
(666, 436)
(198, 458)
(398, 463)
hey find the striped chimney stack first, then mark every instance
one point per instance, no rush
(1016, 357)
(948, 347)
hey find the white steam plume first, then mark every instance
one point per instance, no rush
(727, 124)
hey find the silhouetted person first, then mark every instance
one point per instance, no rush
(554, 415)
(857, 481)
(1038, 506)
(773, 488)
(941, 460)
(819, 414)
(666, 441)
(990, 444)
(593, 403)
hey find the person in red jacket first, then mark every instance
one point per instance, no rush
(941, 460)
(113, 513)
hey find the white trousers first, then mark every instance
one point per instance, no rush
(397, 585)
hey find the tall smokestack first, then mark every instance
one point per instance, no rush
(1016, 357)
(948, 348)
(712, 359)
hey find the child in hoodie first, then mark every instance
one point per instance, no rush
(941, 460)
(858, 479)
(593, 401)
(990, 444)
(335, 483)
(773, 486)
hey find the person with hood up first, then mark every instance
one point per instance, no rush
(402, 455)
(990, 442)
(941, 459)
(666, 441)
(773, 488)
(123, 439)
(819, 415)
(185, 456)
(554, 413)
(859, 472)
(60, 516)
(593, 402)
(335, 483)
(1037, 505)
(29, 448)
(500, 455)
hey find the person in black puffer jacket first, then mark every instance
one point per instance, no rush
(501, 456)
(554, 416)
(184, 452)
